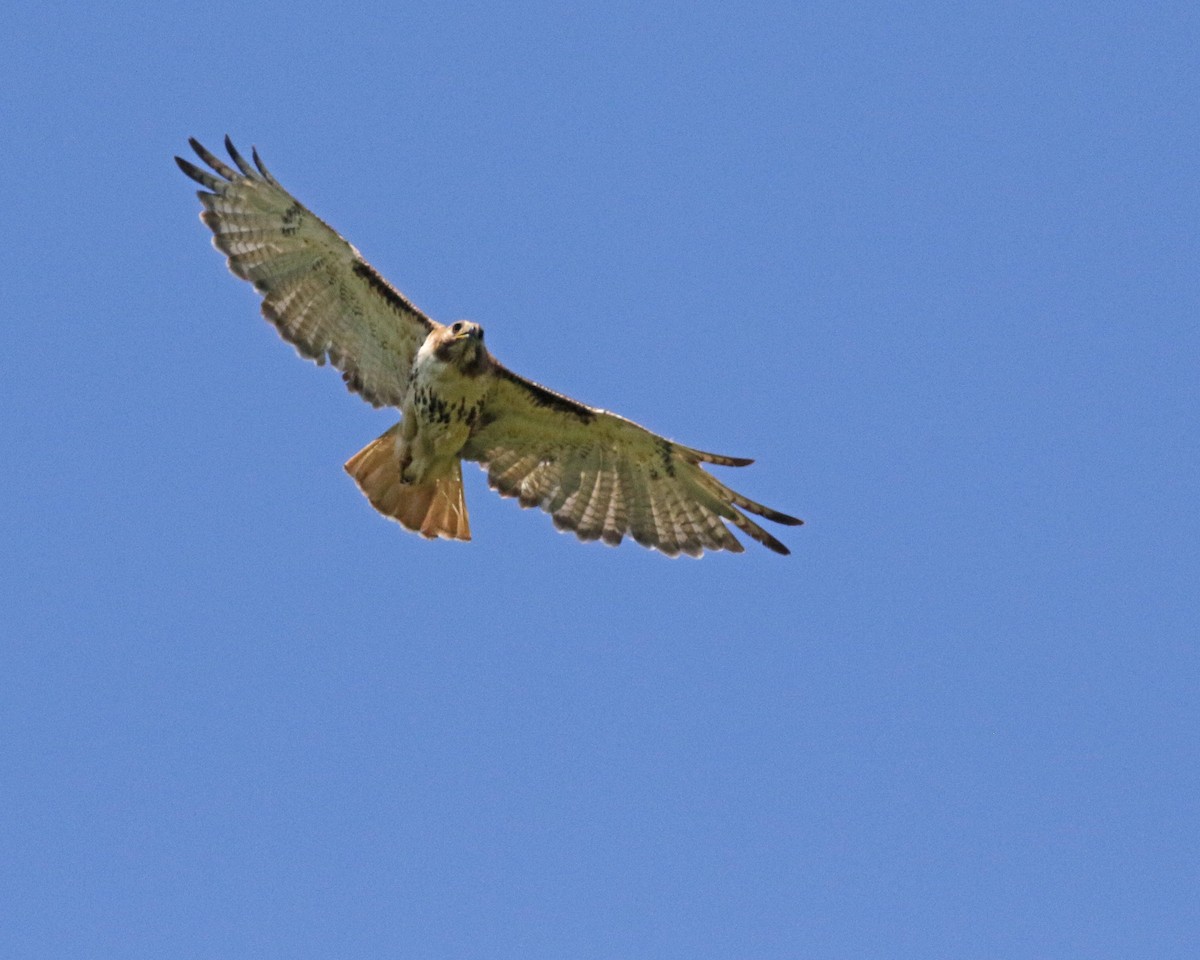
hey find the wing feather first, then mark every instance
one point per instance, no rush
(573, 507)
(318, 291)
(662, 516)
(616, 516)
(570, 472)
(635, 502)
(605, 477)
(686, 534)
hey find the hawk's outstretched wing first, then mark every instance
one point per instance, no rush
(320, 293)
(603, 476)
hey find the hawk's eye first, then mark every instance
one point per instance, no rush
(457, 327)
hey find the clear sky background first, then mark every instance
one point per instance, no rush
(933, 265)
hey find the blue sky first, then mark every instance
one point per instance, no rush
(933, 265)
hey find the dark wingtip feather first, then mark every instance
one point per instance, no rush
(771, 543)
(778, 547)
(237, 157)
(212, 160)
(752, 529)
(752, 506)
(719, 459)
(783, 518)
(262, 167)
(202, 177)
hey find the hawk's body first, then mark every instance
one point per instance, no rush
(596, 473)
(450, 379)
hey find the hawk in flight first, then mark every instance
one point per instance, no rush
(594, 472)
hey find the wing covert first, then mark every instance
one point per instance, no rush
(318, 291)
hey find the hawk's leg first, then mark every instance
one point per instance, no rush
(406, 460)
(404, 448)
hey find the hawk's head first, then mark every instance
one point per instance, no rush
(461, 344)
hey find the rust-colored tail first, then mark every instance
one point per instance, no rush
(433, 509)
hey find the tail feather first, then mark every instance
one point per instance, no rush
(432, 509)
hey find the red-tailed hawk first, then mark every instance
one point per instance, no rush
(595, 473)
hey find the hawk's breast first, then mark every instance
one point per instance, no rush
(444, 400)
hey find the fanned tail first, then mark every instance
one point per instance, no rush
(432, 509)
